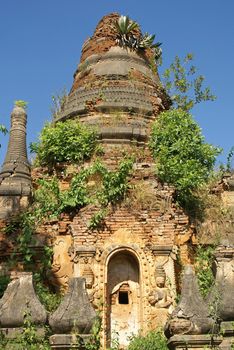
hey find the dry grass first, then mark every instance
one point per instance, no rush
(218, 217)
(143, 196)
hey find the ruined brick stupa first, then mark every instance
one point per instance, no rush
(129, 261)
(116, 88)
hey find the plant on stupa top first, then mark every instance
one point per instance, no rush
(147, 41)
(124, 25)
(21, 103)
(126, 37)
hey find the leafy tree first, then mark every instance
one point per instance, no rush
(68, 141)
(183, 158)
(184, 85)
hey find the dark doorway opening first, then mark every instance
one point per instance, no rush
(123, 297)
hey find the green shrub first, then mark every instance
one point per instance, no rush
(3, 130)
(49, 299)
(183, 158)
(154, 340)
(28, 339)
(68, 141)
(203, 266)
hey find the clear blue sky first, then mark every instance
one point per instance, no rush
(40, 45)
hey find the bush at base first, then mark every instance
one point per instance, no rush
(154, 340)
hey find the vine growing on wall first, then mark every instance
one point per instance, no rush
(21, 231)
(109, 188)
(203, 266)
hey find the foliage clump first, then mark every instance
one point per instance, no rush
(154, 340)
(21, 230)
(21, 103)
(28, 339)
(204, 260)
(3, 130)
(110, 188)
(127, 37)
(68, 141)
(183, 158)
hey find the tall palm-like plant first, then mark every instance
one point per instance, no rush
(124, 28)
(126, 38)
(124, 25)
(147, 41)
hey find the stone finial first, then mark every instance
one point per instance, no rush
(75, 312)
(15, 172)
(191, 316)
(224, 280)
(18, 300)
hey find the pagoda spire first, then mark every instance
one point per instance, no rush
(15, 176)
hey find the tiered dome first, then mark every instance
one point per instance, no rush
(115, 88)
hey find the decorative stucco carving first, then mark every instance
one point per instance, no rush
(81, 253)
(62, 268)
(160, 297)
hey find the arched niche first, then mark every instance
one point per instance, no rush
(123, 297)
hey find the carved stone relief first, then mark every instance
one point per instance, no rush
(61, 267)
(83, 258)
(160, 297)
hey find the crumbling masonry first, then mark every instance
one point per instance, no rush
(128, 269)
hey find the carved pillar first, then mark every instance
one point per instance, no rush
(223, 293)
(82, 256)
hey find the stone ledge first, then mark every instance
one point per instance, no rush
(68, 341)
(198, 342)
